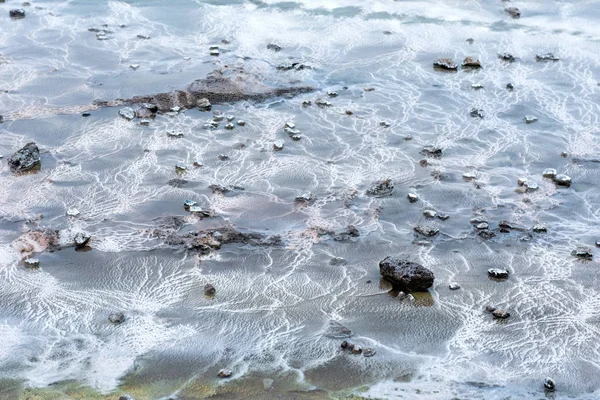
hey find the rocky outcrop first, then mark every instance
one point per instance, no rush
(25, 159)
(406, 275)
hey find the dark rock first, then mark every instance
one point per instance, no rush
(177, 182)
(426, 231)
(332, 94)
(223, 157)
(597, 243)
(274, 47)
(500, 314)
(126, 397)
(562, 180)
(209, 290)
(583, 252)
(336, 330)
(429, 214)
(357, 349)
(83, 114)
(539, 228)
(443, 217)
(81, 240)
(431, 151)
(337, 261)
(175, 134)
(350, 231)
(530, 119)
(476, 112)
(486, 234)
(116, 317)
(506, 57)
(507, 226)
(305, 198)
(478, 220)
(224, 373)
(346, 345)
(405, 274)
(498, 273)
(145, 37)
(510, 86)
(470, 63)
(297, 66)
(513, 12)
(381, 188)
(322, 103)
(546, 57)
(25, 159)
(278, 145)
(470, 40)
(385, 124)
(454, 286)
(369, 352)
(549, 384)
(445, 64)
(31, 262)
(17, 14)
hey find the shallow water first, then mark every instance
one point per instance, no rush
(274, 304)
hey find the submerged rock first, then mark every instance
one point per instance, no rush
(25, 159)
(510, 86)
(305, 198)
(471, 63)
(405, 274)
(335, 330)
(274, 47)
(209, 290)
(116, 318)
(513, 12)
(445, 64)
(427, 231)
(506, 57)
(583, 252)
(498, 273)
(432, 151)
(224, 373)
(476, 112)
(369, 352)
(381, 188)
(546, 57)
(549, 384)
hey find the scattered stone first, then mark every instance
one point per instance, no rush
(230, 118)
(144, 37)
(224, 373)
(196, 210)
(145, 122)
(405, 274)
(506, 225)
(385, 124)
(197, 164)
(73, 212)
(471, 63)
(469, 176)
(322, 103)
(546, 57)
(562, 180)
(175, 134)
(177, 182)
(32, 262)
(209, 290)
(346, 345)
(513, 12)
(357, 349)
(531, 186)
(478, 220)
(477, 86)
(176, 109)
(223, 157)
(500, 314)
(369, 352)
(530, 119)
(25, 159)
(510, 86)
(274, 47)
(81, 240)
(454, 286)
(290, 125)
(203, 104)
(470, 40)
(17, 14)
(540, 228)
(506, 57)
(476, 112)
(241, 122)
(369, 89)
(126, 397)
(180, 168)
(189, 203)
(127, 113)
(297, 66)
(583, 252)
(443, 217)
(305, 198)
(498, 273)
(429, 214)
(278, 145)
(116, 317)
(214, 52)
(381, 188)
(134, 66)
(427, 231)
(549, 384)
(483, 225)
(412, 198)
(229, 126)
(431, 151)
(332, 94)
(445, 64)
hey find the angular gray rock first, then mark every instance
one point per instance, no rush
(406, 275)
(25, 159)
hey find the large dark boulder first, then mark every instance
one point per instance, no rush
(25, 159)
(406, 275)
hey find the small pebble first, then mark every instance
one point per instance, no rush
(454, 286)
(500, 314)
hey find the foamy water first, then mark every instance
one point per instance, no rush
(274, 304)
